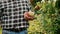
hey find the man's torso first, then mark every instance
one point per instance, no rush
(12, 15)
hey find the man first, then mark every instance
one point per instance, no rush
(13, 15)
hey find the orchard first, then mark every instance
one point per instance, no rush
(46, 17)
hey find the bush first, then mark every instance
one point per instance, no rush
(46, 18)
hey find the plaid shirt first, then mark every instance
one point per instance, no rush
(11, 13)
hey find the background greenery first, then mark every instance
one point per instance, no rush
(0, 30)
(47, 17)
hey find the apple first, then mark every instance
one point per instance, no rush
(37, 7)
(31, 13)
(31, 1)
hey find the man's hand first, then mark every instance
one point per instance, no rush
(29, 15)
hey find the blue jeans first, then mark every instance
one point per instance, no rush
(11, 32)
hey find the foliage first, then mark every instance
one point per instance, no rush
(46, 18)
(58, 4)
(0, 30)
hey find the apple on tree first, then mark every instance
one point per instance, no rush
(37, 7)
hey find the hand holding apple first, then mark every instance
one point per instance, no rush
(29, 15)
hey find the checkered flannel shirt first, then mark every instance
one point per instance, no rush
(11, 13)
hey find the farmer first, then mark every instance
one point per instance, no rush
(14, 17)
